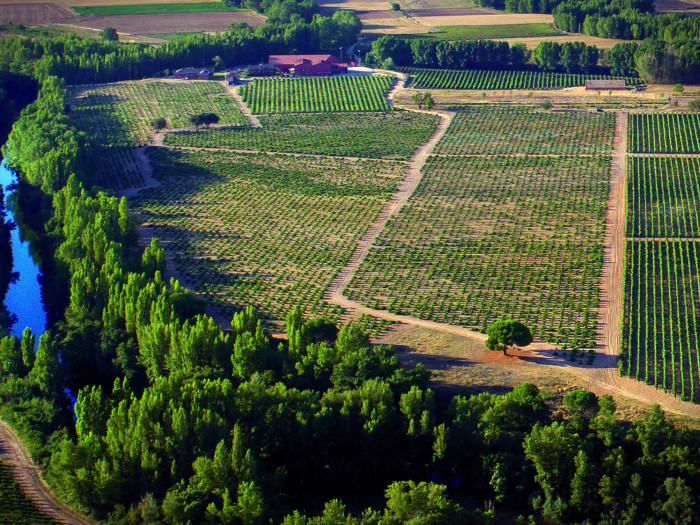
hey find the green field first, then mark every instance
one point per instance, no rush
(485, 238)
(264, 230)
(669, 133)
(453, 33)
(318, 94)
(120, 114)
(486, 129)
(150, 9)
(483, 79)
(391, 135)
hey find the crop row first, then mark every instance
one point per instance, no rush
(486, 129)
(15, 507)
(318, 94)
(393, 135)
(119, 169)
(263, 229)
(484, 238)
(121, 113)
(662, 303)
(486, 80)
(664, 133)
(664, 197)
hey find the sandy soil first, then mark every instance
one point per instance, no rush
(28, 476)
(33, 14)
(395, 25)
(355, 5)
(531, 42)
(167, 22)
(677, 5)
(104, 2)
(484, 19)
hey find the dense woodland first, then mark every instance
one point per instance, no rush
(670, 50)
(179, 421)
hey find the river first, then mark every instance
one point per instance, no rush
(24, 295)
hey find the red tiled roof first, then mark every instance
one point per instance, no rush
(297, 59)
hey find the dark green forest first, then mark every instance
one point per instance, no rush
(180, 421)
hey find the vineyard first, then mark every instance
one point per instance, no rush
(120, 114)
(488, 237)
(666, 133)
(318, 94)
(662, 294)
(262, 229)
(119, 169)
(487, 80)
(661, 311)
(393, 135)
(664, 197)
(484, 129)
(15, 507)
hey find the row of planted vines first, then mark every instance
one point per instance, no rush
(488, 237)
(263, 229)
(665, 133)
(662, 296)
(487, 80)
(121, 113)
(318, 94)
(393, 135)
(485, 129)
(119, 169)
(662, 303)
(664, 197)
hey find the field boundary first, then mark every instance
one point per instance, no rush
(28, 476)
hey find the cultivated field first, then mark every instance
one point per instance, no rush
(318, 94)
(662, 293)
(266, 230)
(169, 22)
(119, 169)
(664, 197)
(392, 135)
(492, 32)
(489, 80)
(666, 133)
(137, 9)
(496, 236)
(506, 130)
(33, 14)
(121, 113)
(601, 43)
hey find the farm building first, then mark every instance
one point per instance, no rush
(194, 73)
(261, 70)
(608, 85)
(308, 65)
(232, 77)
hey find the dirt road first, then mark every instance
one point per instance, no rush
(28, 476)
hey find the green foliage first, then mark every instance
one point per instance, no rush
(109, 34)
(507, 333)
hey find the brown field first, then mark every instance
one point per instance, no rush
(532, 41)
(677, 5)
(33, 14)
(483, 19)
(102, 2)
(167, 22)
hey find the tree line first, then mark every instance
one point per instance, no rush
(670, 51)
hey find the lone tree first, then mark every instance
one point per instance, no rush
(428, 101)
(504, 334)
(159, 124)
(418, 99)
(209, 118)
(110, 34)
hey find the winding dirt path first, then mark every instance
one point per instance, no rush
(28, 476)
(396, 202)
(234, 90)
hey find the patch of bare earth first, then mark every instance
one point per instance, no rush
(33, 14)
(532, 41)
(677, 5)
(168, 22)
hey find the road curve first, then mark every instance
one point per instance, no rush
(28, 476)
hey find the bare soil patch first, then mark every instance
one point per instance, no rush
(71, 3)
(531, 42)
(395, 25)
(167, 22)
(451, 11)
(482, 19)
(33, 14)
(329, 6)
(677, 5)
